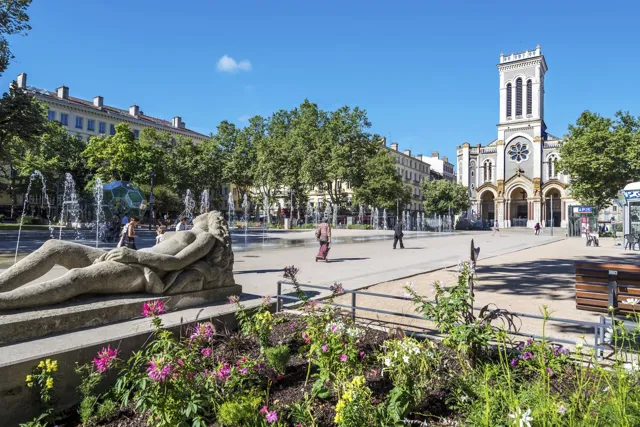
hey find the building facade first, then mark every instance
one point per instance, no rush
(440, 167)
(514, 179)
(84, 118)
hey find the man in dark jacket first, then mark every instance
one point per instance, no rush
(397, 235)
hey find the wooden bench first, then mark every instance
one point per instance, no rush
(600, 286)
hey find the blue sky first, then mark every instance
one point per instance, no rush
(425, 71)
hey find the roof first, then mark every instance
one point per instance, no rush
(106, 109)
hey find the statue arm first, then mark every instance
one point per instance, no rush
(164, 262)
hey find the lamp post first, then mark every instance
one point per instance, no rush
(151, 200)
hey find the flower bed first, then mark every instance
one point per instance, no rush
(318, 368)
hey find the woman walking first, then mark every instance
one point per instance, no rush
(323, 234)
(128, 236)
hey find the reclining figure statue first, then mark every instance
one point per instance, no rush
(187, 261)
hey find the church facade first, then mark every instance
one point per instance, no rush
(514, 179)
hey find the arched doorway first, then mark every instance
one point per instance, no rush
(487, 206)
(518, 207)
(553, 208)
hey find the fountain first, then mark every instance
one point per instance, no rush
(70, 206)
(232, 208)
(316, 214)
(189, 206)
(327, 211)
(375, 219)
(98, 197)
(308, 213)
(45, 197)
(204, 201)
(360, 214)
(384, 219)
(265, 204)
(245, 209)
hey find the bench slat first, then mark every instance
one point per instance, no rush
(592, 302)
(606, 266)
(592, 288)
(592, 279)
(592, 295)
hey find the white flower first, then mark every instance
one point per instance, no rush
(562, 409)
(405, 359)
(387, 361)
(579, 345)
(608, 335)
(631, 367)
(522, 419)
(632, 301)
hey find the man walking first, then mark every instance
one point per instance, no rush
(397, 235)
(496, 229)
(182, 225)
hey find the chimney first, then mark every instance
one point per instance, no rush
(407, 152)
(134, 111)
(435, 154)
(22, 80)
(445, 159)
(63, 92)
(394, 146)
(176, 122)
(419, 157)
(98, 101)
(383, 141)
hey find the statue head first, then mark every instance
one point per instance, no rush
(214, 223)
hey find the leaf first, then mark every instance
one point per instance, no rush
(398, 403)
(319, 390)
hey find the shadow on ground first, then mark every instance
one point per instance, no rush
(552, 277)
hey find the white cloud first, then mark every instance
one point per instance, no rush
(227, 64)
(243, 118)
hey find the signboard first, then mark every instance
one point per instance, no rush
(585, 209)
(631, 194)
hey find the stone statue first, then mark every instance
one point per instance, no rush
(187, 261)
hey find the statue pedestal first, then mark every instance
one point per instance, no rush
(89, 312)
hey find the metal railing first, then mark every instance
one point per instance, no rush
(599, 328)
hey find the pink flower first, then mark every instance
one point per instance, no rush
(324, 348)
(343, 357)
(310, 305)
(234, 299)
(272, 417)
(362, 355)
(306, 338)
(206, 352)
(104, 359)
(224, 372)
(266, 299)
(292, 326)
(153, 308)
(180, 362)
(264, 410)
(244, 371)
(158, 371)
(334, 327)
(202, 330)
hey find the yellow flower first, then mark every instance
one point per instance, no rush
(52, 366)
(358, 381)
(29, 378)
(347, 396)
(41, 364)
(49, 383)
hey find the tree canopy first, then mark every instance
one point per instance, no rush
(13, 20)
(442, 195)
(601, 155)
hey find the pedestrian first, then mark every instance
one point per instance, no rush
(496, 228)
(160, 230)
(182, 225)
(537, 228)
(128, 236)
(397, 235)
(125, 220)
(323, 234)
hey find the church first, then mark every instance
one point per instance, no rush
(514, 179)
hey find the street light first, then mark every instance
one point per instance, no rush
(151, 200)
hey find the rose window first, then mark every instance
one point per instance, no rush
(518, 152)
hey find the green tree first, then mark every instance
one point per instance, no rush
(154, 153)
(237, 155)
(601, 155)
(382, 187)
(13, 20)
(442, 195)
(166, 199)
(115, 157)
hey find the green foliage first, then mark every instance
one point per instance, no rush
(354, 408)
(237, 153)
(602, 156)
(382, 186)
(166, 199)
(359, 227)
(442, 196)
(259, 324)
(13, 20)
(242, 411)
(42, 380)
(115, 157)
(278, 357)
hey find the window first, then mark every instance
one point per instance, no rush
(518, 97)
(91, 125)
(553, 166)
(79, 122)
(518, 152)
(64, 119)
(112, 129)
(487, 170)
(51, 115)
(509, 100)
(529, 96)
(136, 133)
(102, 127)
